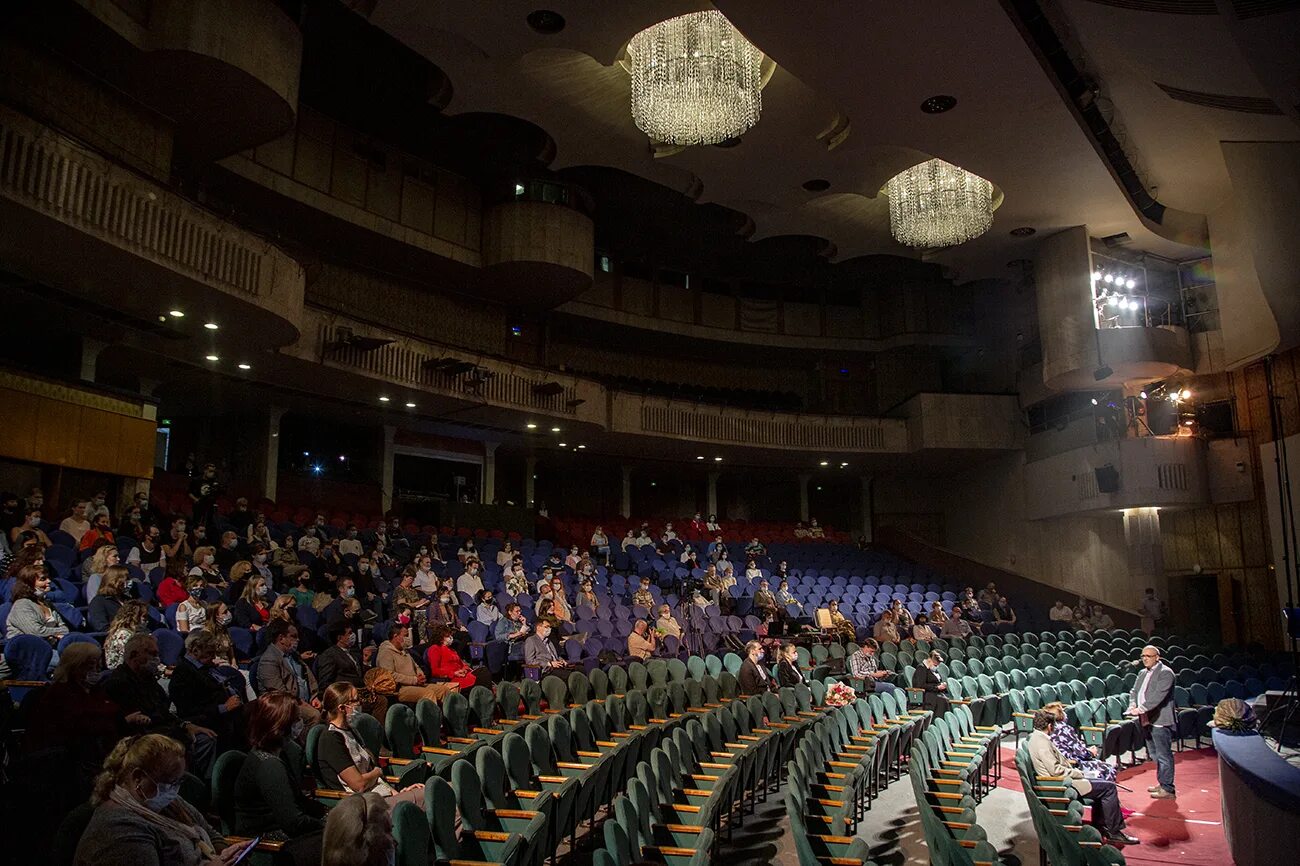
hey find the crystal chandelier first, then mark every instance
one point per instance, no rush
(695, 80)
(937, 204)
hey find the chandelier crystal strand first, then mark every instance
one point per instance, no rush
(937, 204)
(695, 80)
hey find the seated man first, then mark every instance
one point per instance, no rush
(641, 642)
(956, 626)
(281, 670)
(538, 649)
(1062, 613)
(865, 665)
(642, 597)
(205, 694)
(1048, 761)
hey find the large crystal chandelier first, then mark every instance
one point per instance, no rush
(937, 204)
(695, 80)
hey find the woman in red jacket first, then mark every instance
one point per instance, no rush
(172, 588)
(445, 663)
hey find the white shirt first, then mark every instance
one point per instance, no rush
(425, 581)
(1062, 613)
(471, 584)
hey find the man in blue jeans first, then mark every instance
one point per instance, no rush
(864, 665)
(1152, 703)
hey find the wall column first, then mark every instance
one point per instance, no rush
(488, 493)
(868, 504)
(386, 470)
(804, 478)
(712, 501)
(1146, 560)
(625, 503)
(530, 481)
(90, 350)
(271, 453)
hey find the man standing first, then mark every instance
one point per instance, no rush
(203, 495)
(1152, 702)
(1153, 611)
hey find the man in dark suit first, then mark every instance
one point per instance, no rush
(754, 680)
(926, 678)
(204, 695)
(538, 649)
(146, 706)
(341, 663)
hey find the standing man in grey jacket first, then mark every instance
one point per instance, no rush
(1152, 703)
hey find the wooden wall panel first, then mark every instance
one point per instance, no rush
(16, 439)
(57, 429)
(99, 442)
(41, 429)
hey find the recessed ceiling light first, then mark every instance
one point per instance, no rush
(938, 104)
(245, 366)
(582, 446)
(555, 429)
(545, 22)
(717, 459)
(410, 405)
(564, 444)
(701, 457)
(531, 426)
(383, 399)
(817, 184)
(842, 465)
(1023, 231)
(176, 314)
(826, 463)
(212, 358)
(211, 326)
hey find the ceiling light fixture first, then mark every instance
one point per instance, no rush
(212, 358)
(695, 80)
(937, 204)
(245, 366)
(555, 429)
(410, 405)
(211, 326)
(701, 457)
(564, 444)
(826, 463)
(531, 426)
(582, 446)
(717, 459)
(383, 399)
(176, 314)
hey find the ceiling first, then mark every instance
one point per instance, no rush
(868, 66)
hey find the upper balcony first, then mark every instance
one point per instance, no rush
(76, 221)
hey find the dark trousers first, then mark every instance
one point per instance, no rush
(1106, 814)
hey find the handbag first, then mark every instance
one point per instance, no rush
(381, 682)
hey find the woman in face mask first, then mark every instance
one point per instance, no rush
(172, 588)
(486, 611)
(139, 815)
(132, 618)
(205, 565)
(32, 612)
(72, 712)
(113, 590)
(192, 612)
(253, 610)
(267, 792)
(446, 665)
(343, 761)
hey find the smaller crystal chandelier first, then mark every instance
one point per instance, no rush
(695, 80)
(937, 204)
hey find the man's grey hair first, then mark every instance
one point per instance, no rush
(199, 641)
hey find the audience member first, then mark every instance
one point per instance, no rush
(514, 630)
(902, 617)
(344, 762)
(1003, 614)
(113, 591)
(787, 667)
(205, 694)
(359, 832)
(72, 713)
(753, 677)
(840, 624)
(268, 792)
(934, 690)
(641, 641)
(76, 524)
(132, 618)
(280, 671)
(922, 631)
(412, 684)
(140, 818)
(100, 532)
(642, 597)
(252, 610)
(666, 624)
(937, 615)
(1061, 612)
(600, 543)
(341, 663)
(587, 596)
(192, 612)
(885, 630)
(32, 612)
(538, 649)
(172, 588)
(956, 626)
(865, 665)
(445, 664)
(1048, 761)
(1153, 610)
(1071, 745)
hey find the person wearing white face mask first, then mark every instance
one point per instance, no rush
(140, 818)
(72, 713)
(753, 677)
(344, 762)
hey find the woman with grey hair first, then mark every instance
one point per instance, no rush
(359, 832)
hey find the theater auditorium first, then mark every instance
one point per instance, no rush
(580, 433)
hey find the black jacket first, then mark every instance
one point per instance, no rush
(752, 682)
(101, 611)
(199, 696)
(787, 674)
(933, 699)
(337, 665)
(141, 693)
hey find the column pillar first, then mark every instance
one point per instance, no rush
(386, 470)
(488, 493)
(1146, 561)
(712, 501)
(530, 481)
(271, 453)
(868, 509)
(804, 478)
(625, 503)
(90, 350)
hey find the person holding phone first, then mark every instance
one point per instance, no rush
(140, 818)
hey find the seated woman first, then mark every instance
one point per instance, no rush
(104, 556)
(72, 713)
(359, 832)
(1071, 745)
(666, 624)
(506, 554)
(113, 590)
(516, 578)
(446, 665)
(787, 666)
(343, 761)
(172, 588)
(132, 619)
(485, 610)
(32, 613)
(752, 571)
(412, 684)
(937, 616)
(587, 595)
(192, 612)
(600, 543)
(253, 611)
(205, 565)
(884, 630)
(140, 818)
(268, 792)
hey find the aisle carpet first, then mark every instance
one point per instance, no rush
(1186, 830)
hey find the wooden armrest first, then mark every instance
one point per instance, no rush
(491, 836)
(465, 740)
(696, 792)
(513, 813)
(1049, 778)
(553, 780)
(949, 810)
(710, 765)
(528, 717)
(637, 727)
(669, 851)
(331, 793)
(683, 828)
(486, 731)
(23, 684)
(571, 765)
(967, 843)
(944, 795)
(956, 825)
(1022, 715)
(619, 734)
(261, 846)
(438, 750)
(400, 762)
(585, 754)
(609, 744)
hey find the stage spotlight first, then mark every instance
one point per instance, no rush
(1186, 395)
(1142, 394)
(1096, 276)
(1130, 283)
(1110, 278)
(1094, 401)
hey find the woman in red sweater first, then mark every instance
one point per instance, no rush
(172, 588)
(445, 663)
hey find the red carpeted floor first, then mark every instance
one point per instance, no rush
(1188, 829)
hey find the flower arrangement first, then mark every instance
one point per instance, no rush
(839, 694)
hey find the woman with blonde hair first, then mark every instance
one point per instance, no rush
(112, 593)
(72, 713)
(252, 611)
(937, 616)
(192, 612)
(205, 565)
(140, 818)
(132, 618)
(104, 556)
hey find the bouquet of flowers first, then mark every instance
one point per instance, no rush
(839, 694)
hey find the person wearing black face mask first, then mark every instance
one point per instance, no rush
(342, 663)
(204, 694)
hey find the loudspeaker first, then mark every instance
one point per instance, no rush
(1107, 479)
